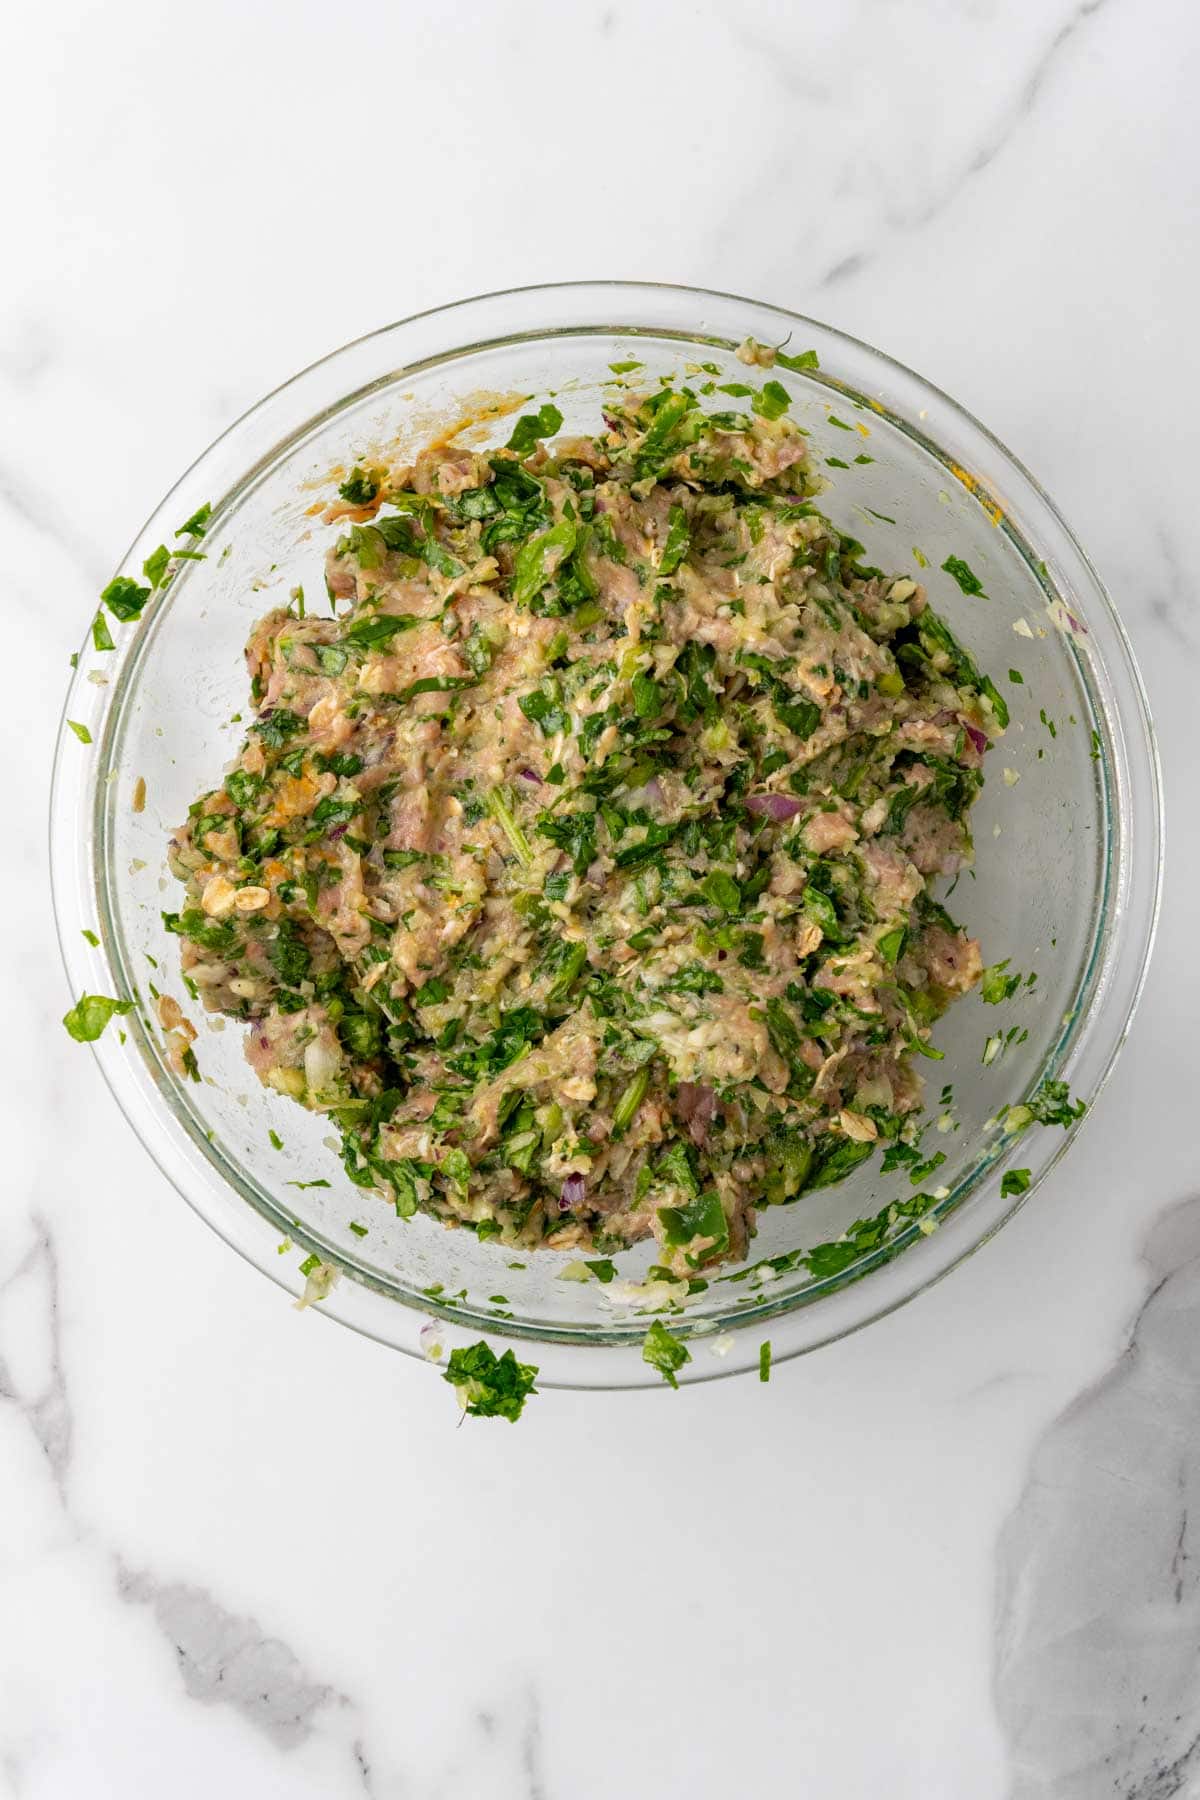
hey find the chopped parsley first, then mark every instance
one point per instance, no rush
(490, 1387)
(360, 487)
(532, 427)
(965, 576)
(90, 1015)
(124, 598)
(197, 525)
(772, 402)
(807, 359)
(996, 985)
(665, 1352)
(155, 566)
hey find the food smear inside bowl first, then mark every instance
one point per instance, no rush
(579, 861)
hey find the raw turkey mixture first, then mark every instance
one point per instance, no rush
(578, 861)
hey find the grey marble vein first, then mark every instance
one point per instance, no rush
(38, 514)
(1169, 605)
(502, 1756)
(985, 153)
(28, 350)
(531, 1749)
(226, 1657)
(1098, 1638)
(791, 70)
(223, 1657)
(39, 1389)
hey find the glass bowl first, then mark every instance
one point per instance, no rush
(1067, 831)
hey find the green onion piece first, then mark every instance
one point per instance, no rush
(501, 810)
(631, 1099)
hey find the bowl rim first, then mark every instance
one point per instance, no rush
(1113, 981)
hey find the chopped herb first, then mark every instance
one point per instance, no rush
(800, 716)
(866, 1236)
(891, 944)
(807, 359)
(359, 487)
(155, 566)
(534, 567)
(197, 524)
(275, 728)
(703, 1217)
(544, 707)
(764, 1360)
(124, 598)
(772, 402)
(1016, 1181)
(665, 1352)
(574, 833)
(678, 538)
(1051, 1105)
(90, 1014)
(498, 805)
(722, 890)
(373, 633)
(996, 985)
(490, 1386)
(965, 576)
(627, 1106)
(81, 731)
(531, 427)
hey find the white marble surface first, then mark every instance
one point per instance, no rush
(244, 1552)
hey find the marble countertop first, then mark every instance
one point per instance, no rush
(244, 1551)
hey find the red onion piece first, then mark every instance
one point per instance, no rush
(977, 737)
(695, 1103)
(530, 775)
(574, 1188)
(775, 806)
